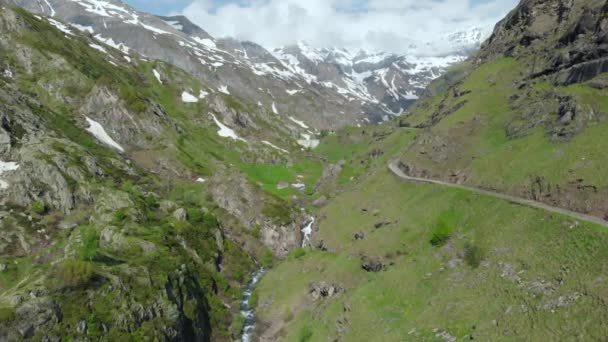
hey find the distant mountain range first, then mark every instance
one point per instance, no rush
(325, 88)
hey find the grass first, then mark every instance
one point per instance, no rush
(426, 290)
(474, 139)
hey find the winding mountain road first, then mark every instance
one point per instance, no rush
(394, 167)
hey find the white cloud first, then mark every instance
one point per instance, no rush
(389, 25)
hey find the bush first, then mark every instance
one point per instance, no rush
(39, 207)
(90, 244)
(267, 259)
(473, 255)
(151, 201)
(297, 253)
(73, 274)
(441, 234)
(256, 232)
(120, 215)
(305, 334)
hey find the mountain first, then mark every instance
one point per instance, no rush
(342, 94)
(439, 250)
(381, 82)
(150, 173)
(134, 200)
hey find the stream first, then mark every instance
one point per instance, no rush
(246, 310)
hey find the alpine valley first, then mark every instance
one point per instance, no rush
(161, 184)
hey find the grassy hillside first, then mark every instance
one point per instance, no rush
(502, 137)
(457, 264)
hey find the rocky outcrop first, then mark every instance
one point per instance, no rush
(323, 290)
(562, 39)
(372, 264)
(192, 310)
(235, 194)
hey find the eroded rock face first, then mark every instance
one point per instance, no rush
(534, 28)
(233, 193)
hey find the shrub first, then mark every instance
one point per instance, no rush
(120, 215)
(90, 244)
(151, 201)
(195, 215)
(441, 234)
(210, 220)
(73, 274)
(473, 255)
(267, 259)
(39, 207)
(256, 232)
(297, 253)
(305, 334)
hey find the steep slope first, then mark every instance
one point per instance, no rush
(226, 67)
(529, 118)
(327, 96)
(131, 198)
(414, 261)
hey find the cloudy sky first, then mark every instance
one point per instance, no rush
(388, 25)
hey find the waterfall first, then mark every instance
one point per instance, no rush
(307, 232)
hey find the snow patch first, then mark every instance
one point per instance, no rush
(299, 186)
(110, 42)
(274, 108)
(275, 146)
(189, 98)
(51, 9)
(292, 92)
(154, 29)
(308, 142)
(224, 89)
(99, 132)
(225, 131)
(298, 122)
(202, 94)
(82, 28)
(62, 27)
(205, 42)
(201, 180)
(157, 75)
(98, 48)
(6, 167)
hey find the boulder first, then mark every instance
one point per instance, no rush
(180, 214)
(371, 265)
(323, 290)
(320, 202)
